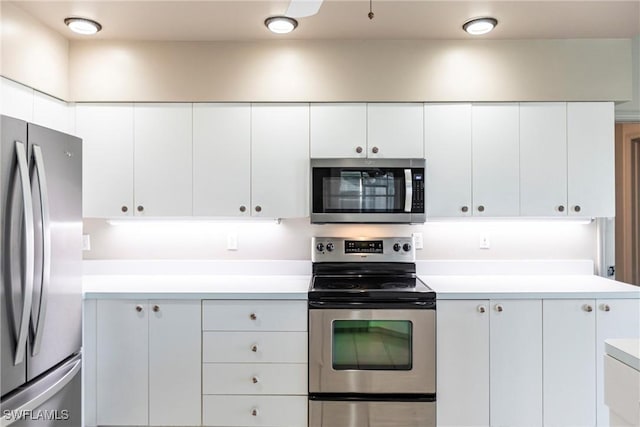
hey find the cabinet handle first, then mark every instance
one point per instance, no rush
(254, 348)
(499, 308)
(465, 209)
(587, 308)
(140, 208)
(375, 150)
(561, 208)
(124, 209)
(255, 380)
(481, 208)
(254, 412)
(156, 308)
(253, 316)
(577, 208)
(481, 309)
(358, 149)
(605, 307)
(258, 208)
(138, 308)
(243, 208)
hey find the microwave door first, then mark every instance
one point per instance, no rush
(408, 190)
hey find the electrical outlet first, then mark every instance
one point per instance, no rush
(232, 241)
(86, 242)
(417, 240)
(485, 243)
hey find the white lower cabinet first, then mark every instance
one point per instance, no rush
(254, 370)
(527, 362)
(148, 363)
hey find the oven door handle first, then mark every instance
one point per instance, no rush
(408, 190)
(380, 305)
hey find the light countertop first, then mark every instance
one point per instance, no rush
(626, 351)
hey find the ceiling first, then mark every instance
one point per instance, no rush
(242, 20)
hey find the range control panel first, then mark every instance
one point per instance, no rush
(362, 249)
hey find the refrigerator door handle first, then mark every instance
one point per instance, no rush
(29, 253)
(44, 390)
(46, 249)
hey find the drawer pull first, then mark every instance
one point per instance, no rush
(255, 380)
(499, 308)
(254, 348)
(605, 307)
(138, 308)
(481, 309)
(587, 308)
(253, 316)
(254, 412)
(156, 308)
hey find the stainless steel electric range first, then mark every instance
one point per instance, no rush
(372, 336)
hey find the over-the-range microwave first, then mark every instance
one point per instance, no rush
(367, 191)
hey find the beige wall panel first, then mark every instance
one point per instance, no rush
(410, 70)
(33, 54)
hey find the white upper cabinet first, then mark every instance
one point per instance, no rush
(338, 130)
(591, 168)
(395, 131)
(163, 159)
(280, 160)
(222, 159)
(16, 100)
(495, 134)
(543, 159)
(107, 156)
(448, 157)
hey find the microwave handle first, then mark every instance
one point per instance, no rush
(408, 190)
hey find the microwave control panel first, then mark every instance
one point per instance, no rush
(417, 204)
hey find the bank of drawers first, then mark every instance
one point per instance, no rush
(254, 363)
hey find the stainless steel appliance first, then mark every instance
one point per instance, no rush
(372, 336)
(41, 273)
(367, 190)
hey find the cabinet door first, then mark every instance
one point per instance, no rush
(338, 130)
(495, 159)
(516, 363)
(569, 345)
(280, 160)
(174, 363)
(395, 131)
(591, 174)
(543, 159)
(221, 159)
(122, 363)
(163, 159)
(107, 155)
(52, 113)
(448, 156)
(16, 100)
(615, 318)
(463, 363)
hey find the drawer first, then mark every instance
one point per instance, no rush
(254, 315)
(270, 411)
(254, 347)
(254, 378)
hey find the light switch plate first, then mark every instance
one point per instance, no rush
(232, 241)
(418, 240)
(86, 242)
(485, 242)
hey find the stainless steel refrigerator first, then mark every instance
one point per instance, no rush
(41, 273)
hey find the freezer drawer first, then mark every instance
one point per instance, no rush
(359, 413)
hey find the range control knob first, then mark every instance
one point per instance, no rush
(397, 247)
(406, 247)
(320, 247)
(330, 247)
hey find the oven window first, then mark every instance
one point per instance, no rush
(372, 345)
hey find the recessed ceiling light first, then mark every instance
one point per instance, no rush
(83, 25)
(478, 26)
(280, 24)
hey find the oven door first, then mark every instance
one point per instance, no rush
(380, 351)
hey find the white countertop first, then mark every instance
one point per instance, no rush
(528, 286)
(195, 287)
(626, 351)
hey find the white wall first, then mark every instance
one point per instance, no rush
(33, 54)
(352, 70)
(291, 239)
(630, 111)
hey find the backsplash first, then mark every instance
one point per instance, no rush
(290, 239)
